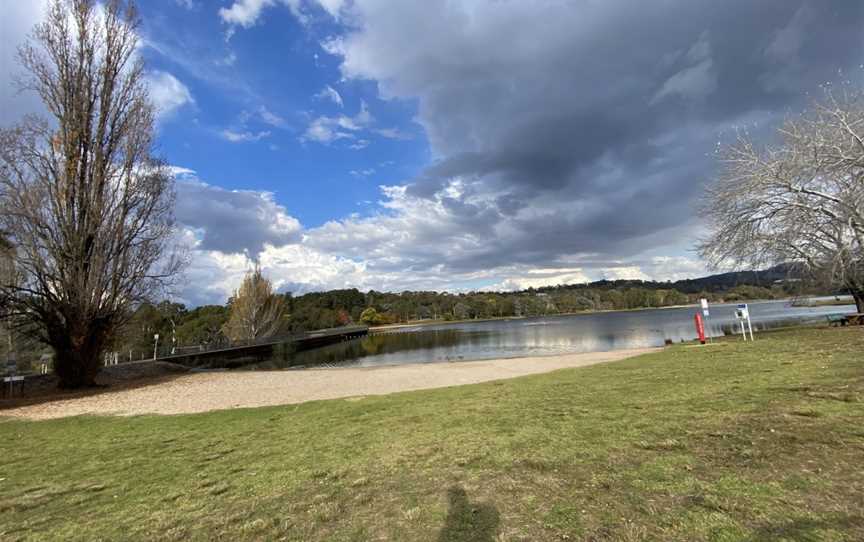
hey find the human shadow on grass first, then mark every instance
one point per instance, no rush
(467, 521)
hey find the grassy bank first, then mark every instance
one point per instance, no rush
(725, 442)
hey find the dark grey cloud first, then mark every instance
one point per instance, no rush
(233, 221)
(586, 128)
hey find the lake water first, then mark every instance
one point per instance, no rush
(544, 335)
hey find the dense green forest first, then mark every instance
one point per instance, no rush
(181, 327)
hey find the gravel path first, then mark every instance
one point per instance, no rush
(201, 392)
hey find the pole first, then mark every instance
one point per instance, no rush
(156, 344)
(700, 328)
(750, 326)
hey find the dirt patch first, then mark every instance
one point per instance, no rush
(43, 388)
(201, 392)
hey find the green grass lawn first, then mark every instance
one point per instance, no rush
(735, 441)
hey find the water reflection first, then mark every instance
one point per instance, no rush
(541, 336)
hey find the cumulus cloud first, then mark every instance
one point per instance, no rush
(232, 221)
(244, 12)
(167, 93)
(572, 144)
(537, 278)
(411, 243)
(562, 151)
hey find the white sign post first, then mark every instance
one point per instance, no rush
(704, 303)
(742, 313)
(155, 344)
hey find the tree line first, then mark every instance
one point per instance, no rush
(282, 314)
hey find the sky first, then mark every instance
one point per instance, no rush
(458, 145)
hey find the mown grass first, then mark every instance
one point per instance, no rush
(725, 442)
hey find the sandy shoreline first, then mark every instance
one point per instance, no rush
(202, 392)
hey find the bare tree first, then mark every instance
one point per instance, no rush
(7, 275)
(86, 206)
(256, 312)
(800, 201)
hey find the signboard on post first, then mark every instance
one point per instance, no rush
(705, 314)
(742, 313)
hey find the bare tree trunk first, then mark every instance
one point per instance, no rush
(858, 296)
(77, 350)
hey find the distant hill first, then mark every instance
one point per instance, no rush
(725, 281)
(712, 283)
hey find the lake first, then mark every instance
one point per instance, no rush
(541, 336)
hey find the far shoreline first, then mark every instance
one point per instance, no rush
(432, 322)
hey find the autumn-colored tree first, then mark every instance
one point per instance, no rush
(369, 316)
(256, 312)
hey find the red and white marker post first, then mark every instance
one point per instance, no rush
(700, 328)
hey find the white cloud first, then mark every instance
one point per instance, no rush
(181, 172)
(359, 144)
(330, 93)
(392, 133)
(631, 272)
(270, 117)
(333, 7)
(675, 268)
(167, 93)
(244, 13)
(326, 129)
(410, 243)
(228, 60)
(243, 137)
(537, 278)
(362, 172)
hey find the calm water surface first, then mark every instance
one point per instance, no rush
(543, 335)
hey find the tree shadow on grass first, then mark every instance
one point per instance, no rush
(466, 521)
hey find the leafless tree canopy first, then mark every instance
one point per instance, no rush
(800, 201)
(86, 206)
(256, 312)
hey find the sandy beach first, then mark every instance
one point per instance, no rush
(202, 392)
